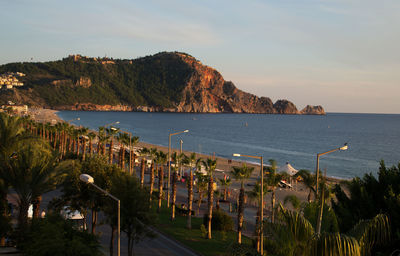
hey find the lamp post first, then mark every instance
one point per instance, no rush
(89, 180)
(169, 161)
(261, 199)
(344, 147)
(320, 212)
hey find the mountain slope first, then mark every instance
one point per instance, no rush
(167, 81)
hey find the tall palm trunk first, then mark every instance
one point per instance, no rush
(23, 219)
(225, 194)
(132, 170)
(273, 205)
(112, 238)
(190, 199)
(83, 148)
(122, 157)
(210, 204)
(240, 213)
(73, 146)
(200, 199)
(103, 148)
(142, 172)
(36, 207)
(151, 179)
(174, 180)
(90, 147)
(94, 221)
(160, 186)
(110, 153)
(78, 146)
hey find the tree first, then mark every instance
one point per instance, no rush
(135, 209)
(190, 161)
(210, 166)
(368, 196)
(123, 140)
(308, 180)
(161, 159)
(176, 158)
(32, 173)
(255, 195)
(201, 184)
(111, 132)
(273, 179)
(143, 152)
(225, 183)
(294, 235)
(91, 136)
(241, 174)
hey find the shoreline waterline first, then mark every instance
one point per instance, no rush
(223, 163)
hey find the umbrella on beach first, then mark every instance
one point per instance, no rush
(288, 168)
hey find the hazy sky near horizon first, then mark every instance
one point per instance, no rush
(341, 54)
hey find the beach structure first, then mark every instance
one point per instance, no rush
(288, 168)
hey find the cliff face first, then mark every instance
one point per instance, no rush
(164, 82)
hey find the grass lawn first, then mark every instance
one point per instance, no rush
(218, 245)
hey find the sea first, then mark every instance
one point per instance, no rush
(294, 139)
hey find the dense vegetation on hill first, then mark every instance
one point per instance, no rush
(167, 81)
(156, 80)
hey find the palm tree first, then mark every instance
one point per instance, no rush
(191, 161)
(134, 141)
(255, 195)
(143, 152)
(103, 138)
(294, 235)
(123, 140)
(225, 183)
(308, 180)
(201, 184)
(32, 173)
(83, 132)
(241, 174)
(111, 132)
(91, 136)
(153, 155)
(160, 159)
(273, 179)
(176, 158)
(210, 166)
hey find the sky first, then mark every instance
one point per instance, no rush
(341, 54)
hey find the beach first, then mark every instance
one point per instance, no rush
(224, 165)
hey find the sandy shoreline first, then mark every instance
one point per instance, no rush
(223, 164)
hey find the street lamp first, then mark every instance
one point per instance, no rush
(261, 199)
(169, 161)
(319, 218)
(344, 147)
(89, 180)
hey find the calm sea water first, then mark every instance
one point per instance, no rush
(286, 138)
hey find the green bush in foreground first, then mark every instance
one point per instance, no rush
(55, 236)
(220, 221)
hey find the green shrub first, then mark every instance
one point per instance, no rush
(220, 221)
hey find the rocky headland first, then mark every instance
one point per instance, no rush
(164, 82)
